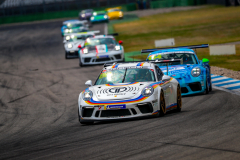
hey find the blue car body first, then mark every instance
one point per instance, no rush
(189, 83)
(64, 26)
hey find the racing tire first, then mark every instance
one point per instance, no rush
(80, 63)
(162, 105)
(82, 121)
(207, 88)
(179, 99)
(66, 57)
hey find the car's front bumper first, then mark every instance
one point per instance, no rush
(72, 54)
(134, 110)
(193, 88)
(91, 59)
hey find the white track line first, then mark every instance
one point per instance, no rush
(105, 29)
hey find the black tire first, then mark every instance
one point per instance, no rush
(179, 99)
(207, 87)
(80, 63)
(66, 57)
(162, 105)
(82, 121)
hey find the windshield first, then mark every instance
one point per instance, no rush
(77, 38)
(98, 41)
(125, 76)
(74, 25)
(187, 58)
(113, 10)
(87, 11)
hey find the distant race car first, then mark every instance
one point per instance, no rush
(86, 14)
(129, 90)
(74, 26)
(72, 42)
(115, 13)
(193, 75)
(100, 16)
(100, 49)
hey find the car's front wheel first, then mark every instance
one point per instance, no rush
(80, 63)
(207, 87)
(82, 121)
(179, 99)
(162, 105)
(66, 55)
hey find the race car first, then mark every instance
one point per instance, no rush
(73, 41)
(101, 49)
(74, 26)
(85, 14)
(128, 90)
(115, 13)
(100, 16)
(193, 75)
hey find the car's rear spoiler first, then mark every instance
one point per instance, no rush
(81, 33)
(189, 47)
(151, 61)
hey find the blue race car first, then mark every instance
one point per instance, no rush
(193, 75)
(74, 26)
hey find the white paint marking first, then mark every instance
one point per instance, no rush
(225, 82)
(231, 85)
(105, 29)
(221, 78)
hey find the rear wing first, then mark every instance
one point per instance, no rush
(151, 61)
(81, 33)
(188, 47)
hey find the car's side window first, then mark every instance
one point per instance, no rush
(159, 73)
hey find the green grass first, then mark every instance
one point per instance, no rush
(212, 25)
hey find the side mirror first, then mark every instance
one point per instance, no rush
(205, 60)
(79, 46)
(120, 42)
(166, 78)
(88, 83)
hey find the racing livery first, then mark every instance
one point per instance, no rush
(193, 75)
(129, 90)
(74, 26)
(72, 43)
(100, 16)
(101, 49)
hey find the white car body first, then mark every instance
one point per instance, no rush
(72, 41)
(126, 100)
(101, 54)
(69, 29)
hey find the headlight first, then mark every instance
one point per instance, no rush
(72, 36)
(196, 72)
(66, 30)
(67, 38)
(70, 30)
(120, 14)
(83, 15)
(147, 91)
(94, 13)
(105, 16)
(85, 50)
(87, 95)
(117, 48)
(92, 18)
(69, 45)
(69, 24)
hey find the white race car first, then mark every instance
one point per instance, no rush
(72, 42)
(129, 90)
(101, 49)
(74, 26)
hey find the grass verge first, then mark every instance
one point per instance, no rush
(212, 25)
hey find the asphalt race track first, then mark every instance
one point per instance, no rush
(39, 89)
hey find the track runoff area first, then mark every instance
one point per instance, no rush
(38, 110)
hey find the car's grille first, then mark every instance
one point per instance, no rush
(145, 107)
(196, 86)
(102, 59)
(87, 60)
(184, 90)
(118, 56)
(115, 113)
(75, 53)
(87, 112)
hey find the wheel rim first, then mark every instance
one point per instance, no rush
(163, 104)
(179, 98)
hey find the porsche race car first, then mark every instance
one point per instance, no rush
(128, 90)
(100, 16)
(115, 13)
(100, 49)
(193, 75)
(85, 14)
(74, 26)
(72, 42)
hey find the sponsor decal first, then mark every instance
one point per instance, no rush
(140, 64)
(107, 107)
(156, 112)
(132, 83)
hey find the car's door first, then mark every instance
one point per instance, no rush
(166, 86)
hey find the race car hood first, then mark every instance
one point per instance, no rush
(101, 48)
(118, 91)
(178, 71)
